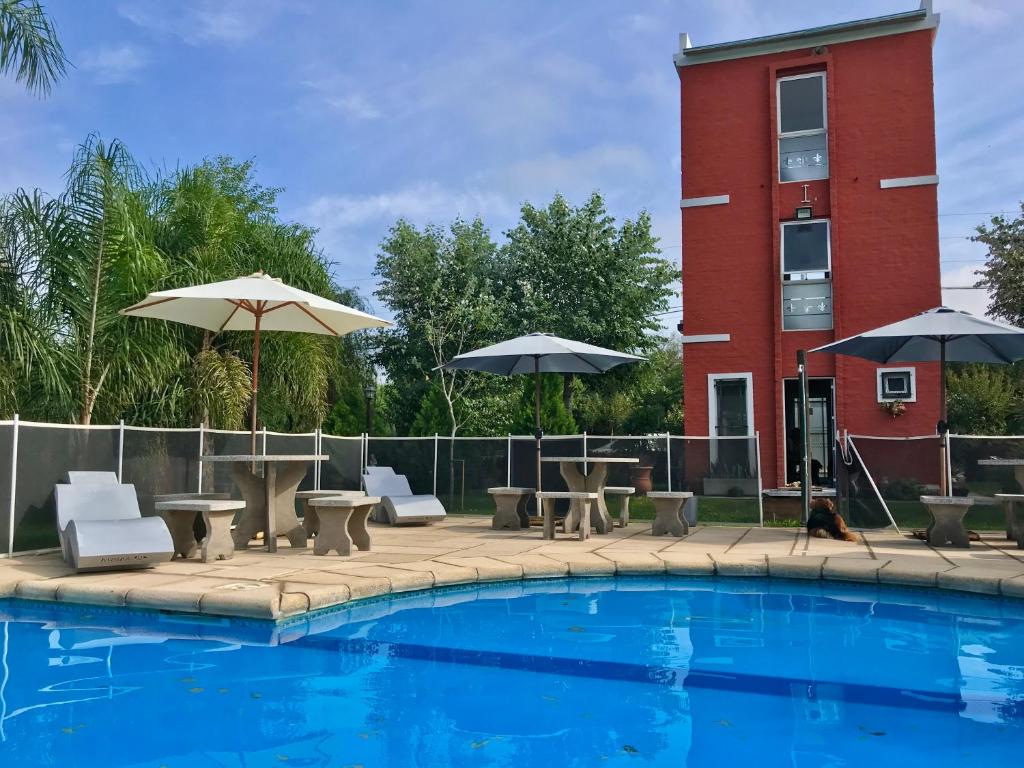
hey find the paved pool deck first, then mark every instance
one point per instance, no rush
(463, 550)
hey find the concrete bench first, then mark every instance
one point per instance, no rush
(310, 520)
(217, 515)
(668, 519)
(343, 523)
(580, 502)
(197, 527)
(510, 507)
(947, 526)
(1014, 526)
(625, 492)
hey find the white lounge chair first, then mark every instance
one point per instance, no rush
(101, 528)
(398, 503)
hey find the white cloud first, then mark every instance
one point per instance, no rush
(339, 94)
(975, 300)
(227, 22)
(982, 14)
(112, 64)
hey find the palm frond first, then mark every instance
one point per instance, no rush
(29, 46)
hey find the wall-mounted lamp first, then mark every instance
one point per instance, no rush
(804, 212)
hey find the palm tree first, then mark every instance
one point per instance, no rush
(29, 46)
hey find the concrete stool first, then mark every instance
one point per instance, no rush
(947, 526)
(667, 517)
(581, 503)
(197, 527)
(625, 492)
(510, 507)
(343, 523)
(1014, 527)
(217, 516)
(310, 520)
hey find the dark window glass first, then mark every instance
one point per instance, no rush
(896, 385)
(802, 104)
(805, 247)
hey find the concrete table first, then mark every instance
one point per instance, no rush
(667, 508)
(593, 482)
(947, 526)
(343, 523)
(510, 507)
(1018, 474)
(270, 498)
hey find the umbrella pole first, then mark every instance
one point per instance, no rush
(538, 433)
(255, 383)
(944, 489)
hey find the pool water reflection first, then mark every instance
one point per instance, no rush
(578, 672)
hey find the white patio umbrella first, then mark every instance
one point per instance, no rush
(255, 303)
(936, 335)
(539, 353)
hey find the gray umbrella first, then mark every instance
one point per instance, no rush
(539, 353)
(941, 334)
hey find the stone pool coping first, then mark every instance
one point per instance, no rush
(465, 550)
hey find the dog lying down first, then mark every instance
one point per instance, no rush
(825, 523)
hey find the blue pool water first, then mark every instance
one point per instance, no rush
(629, 672)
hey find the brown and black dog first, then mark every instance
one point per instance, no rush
(825, 523)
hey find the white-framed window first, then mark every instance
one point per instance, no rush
(730, 404)
(897, 384)
(802, 121)
(806, 255)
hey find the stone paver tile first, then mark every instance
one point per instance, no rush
(682, 563)
(735, 565)
(584, 563)
(912, 571)
(109, 588)
(13, 575)
(501, 548)
(852, 569)
(402, 580)
(627, 562)
(711, 538)
(795, 566)
(387, 557)
(487, 568)
(184, 594)
(971, 579)
(318, 595)
(253, 572)
(444, 573)
(1012, 587)
(251, 599)
(812, 545)
(537, 566)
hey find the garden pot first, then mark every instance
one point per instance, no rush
(640, 478)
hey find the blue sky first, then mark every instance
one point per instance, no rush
(365, 111)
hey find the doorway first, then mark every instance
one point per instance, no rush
(731, 415)
(821, 424)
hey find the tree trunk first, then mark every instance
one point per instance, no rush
(89, 394)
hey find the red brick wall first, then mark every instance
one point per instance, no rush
(884, 241)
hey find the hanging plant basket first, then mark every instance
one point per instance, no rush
(895, 408)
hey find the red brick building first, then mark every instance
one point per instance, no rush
(809, 214)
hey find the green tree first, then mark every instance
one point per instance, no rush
(29, 46)
(575, 273)
(981, 399)
(1003, 273)
(555, 418)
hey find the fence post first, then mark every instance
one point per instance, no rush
(199, 482)
(435, 464)
(508, 468)
(668, 460)
(584, 453)
(362, 456)
(120, 449)
(760, 487)
(263, 449)
(14, 487)
(316, 464)
(949, 462)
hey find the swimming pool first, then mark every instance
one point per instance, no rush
(585, 672)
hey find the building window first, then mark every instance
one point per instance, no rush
(897, 384)
(802, 120)
(806, 275)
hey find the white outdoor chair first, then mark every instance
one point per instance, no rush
(101, 528)
(79, 476)
(399, 504)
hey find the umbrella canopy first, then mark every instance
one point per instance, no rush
(255, 303)
(543, 353)
(258, 301)
(539, 353)
(936, 335)
(922, 338)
